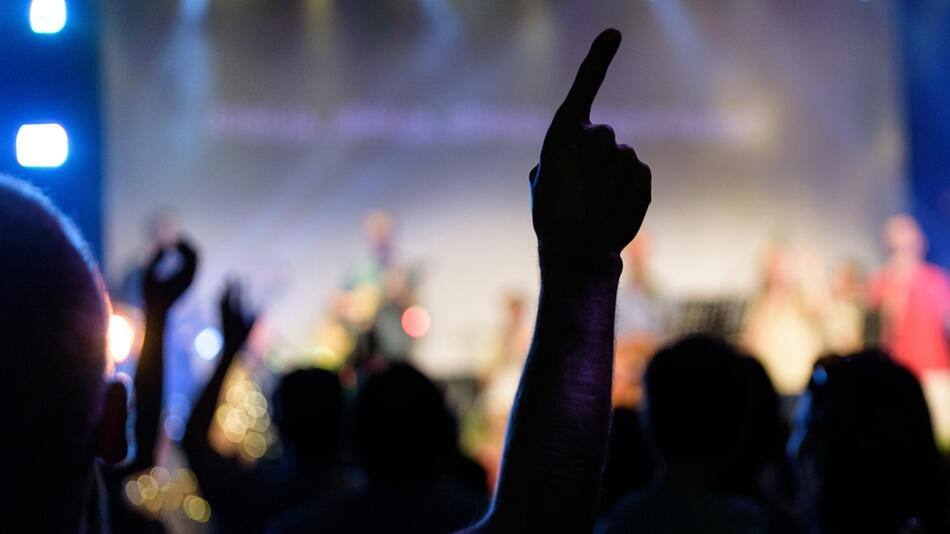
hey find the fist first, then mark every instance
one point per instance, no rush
(237, 319)
(169, 274)
(588, 194)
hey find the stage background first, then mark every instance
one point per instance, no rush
(272, 127)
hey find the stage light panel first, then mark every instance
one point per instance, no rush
(41, 145)
(47, 16)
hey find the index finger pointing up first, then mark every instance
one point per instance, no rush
(590, 76)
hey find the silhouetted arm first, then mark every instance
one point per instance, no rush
(160, 294)
(195, 440)
(236, 326)
(589, 197)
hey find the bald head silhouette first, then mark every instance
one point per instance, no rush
(53, 393)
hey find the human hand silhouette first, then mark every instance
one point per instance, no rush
(588, 194)
(237, 320)
(169, 274)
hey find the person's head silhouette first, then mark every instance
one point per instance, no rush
(711, 411)
(763, 435)
(308, 411)
(865, 449)
(53, 390)
(403, 430)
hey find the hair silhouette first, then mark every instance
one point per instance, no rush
(308, 412)
(402, 428)
(713, 416)
(698, 412)
(53, 317)
(867, 451)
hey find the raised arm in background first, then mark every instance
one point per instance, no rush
(159, 293)
(589, 196)
(236, 326)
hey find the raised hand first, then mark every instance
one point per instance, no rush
(589, 195)
(169, 274)
(237, 320)
(236, 325)
(162, 289)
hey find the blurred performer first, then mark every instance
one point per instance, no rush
(842, 319)
(778, 328)
(913, 297)
(380, 237)
(371, 303)
(392, 284)
(642, 322)
(835, 307)
(499, 371)
(913, 300)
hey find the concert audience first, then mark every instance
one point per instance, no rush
(308, 410)
(864, 451)
(405, 440)
(629, 465)
(713, 417)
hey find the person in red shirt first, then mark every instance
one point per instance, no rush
(913, 298)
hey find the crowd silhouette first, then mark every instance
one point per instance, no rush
(709, 451)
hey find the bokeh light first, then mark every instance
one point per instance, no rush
(416, 321)
(254, 444)
(133, 494)
(243, 419)
(208, 343)
(174, 427)
(325, 358)
(186, 480)
(121, 336)
(197, 508)
(158, 490)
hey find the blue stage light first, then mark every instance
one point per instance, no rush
(47, 16)
(41, 145)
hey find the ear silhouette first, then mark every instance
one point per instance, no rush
(112, 445)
